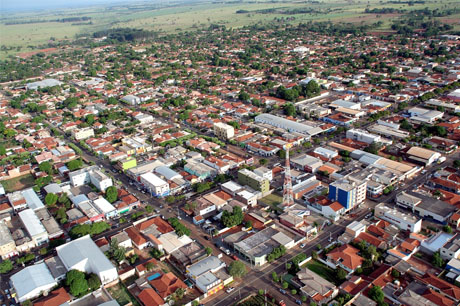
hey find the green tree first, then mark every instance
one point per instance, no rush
(51, 199)
(285, 285)
(341, 274)
(111, 194)
(237, 269)
(293, 291)
(395, 273)
(447, 229)
(438, 261)
(243, 96)
(74, 164)
(376, 294)
(79, 287)
(46, 167)
(72, 276)
(94, 282)
(208, 250)
(2, 150)
(263, 161)
(6, 266)
(289, 110)
(149, 266)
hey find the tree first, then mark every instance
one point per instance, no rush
(72, 276)
(74, 164)
(6, 266)
(313, 304)
(447, 229)
(237, 269)
(262, 161)
(51, 199)
(79, 287)
(248, 224)
(46, 167)
(456, 163)
(243, 96)
(314, 255)
(285, 285)
(149, 266)
(111, 194)
(94, 282)
(289, 110)
(376, 294)
(437, 260)
(341, 274)
(208, 250)
(395, 273)
(275, 276)
(2, 150)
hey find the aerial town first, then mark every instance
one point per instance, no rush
(252, 166)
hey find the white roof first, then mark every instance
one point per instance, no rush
(211, 263)
(103, 205)
(31, 222)
(152, 179)
(84, 251)
(231, 185)
(171, 242)
(33, 201)
(32, 278)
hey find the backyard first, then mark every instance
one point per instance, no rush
(322, 270)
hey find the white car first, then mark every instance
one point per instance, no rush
(230, 289)
(302, 245)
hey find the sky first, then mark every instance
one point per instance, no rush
(33, 5)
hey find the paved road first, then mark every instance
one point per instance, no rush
(260, 278)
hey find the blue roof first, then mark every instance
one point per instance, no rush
(167, 172)
(81, 198)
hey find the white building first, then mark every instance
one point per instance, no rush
(288, 125)
(424, 115)
(84, 255)
(156, 186)
(402, 220)
(90, 175)
(204, 274)
(264, 172)
(105, 207)
(32, 281)
(132, 100)
(80, 134)
(223, 131)
(451, 249)
(34, 227)
(423, 155)
(363, 136)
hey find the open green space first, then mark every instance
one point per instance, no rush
(272, 199)
(322, 270)
(18, 183)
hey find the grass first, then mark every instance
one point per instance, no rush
(121, 294)
(272, 199)
(18, 183)
(322, 270)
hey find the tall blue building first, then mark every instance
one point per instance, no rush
(349, 193)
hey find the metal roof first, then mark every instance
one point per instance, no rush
(32, 278)
(32, 200)
(31, 222)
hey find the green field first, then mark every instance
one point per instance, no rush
(322, 270)
(18, 183)
(177, 18)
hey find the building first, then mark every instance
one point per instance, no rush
(32, 199)
(132, 100)
(315, 287)
(127, 163)
(407, 200)
(91, 175)
(345, 257)
(7, 244)
(363, 136)
(209, 275)
(451, 250)
(264, 172)
(256, 182)
(155, 185)
(105, 207)
(43, 84)
(422, 155)
(34, 227)
(83, 133)
(349, 193)
(256, 248)
(32, 281)
(223, 131)
(402, 220)
(419, 114)
(306, 163)
(288, 125)
(84, 255)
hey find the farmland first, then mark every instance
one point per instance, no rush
(34, 29)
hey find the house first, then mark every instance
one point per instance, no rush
(32, 281)
(56, 297)
(167, 284)
(34, 227)
(345, 257)
(209, 275)
(149, 297)
(306, 163)
(7, 244)
(315, 287)
(451, 249)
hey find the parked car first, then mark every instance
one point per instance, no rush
(302, 245)
(282, 291)
(234, 257)
(282, 303)
(299, 302)
(230, 289)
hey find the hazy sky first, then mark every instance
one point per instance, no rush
(27, 5)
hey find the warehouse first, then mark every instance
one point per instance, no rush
(155, 185)
(288, 125)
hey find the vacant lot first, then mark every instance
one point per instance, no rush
(122, 295)
(18, 183)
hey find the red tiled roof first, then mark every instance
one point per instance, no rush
(348, 255)
(54, 298)
(167, 284)
(149, 297)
